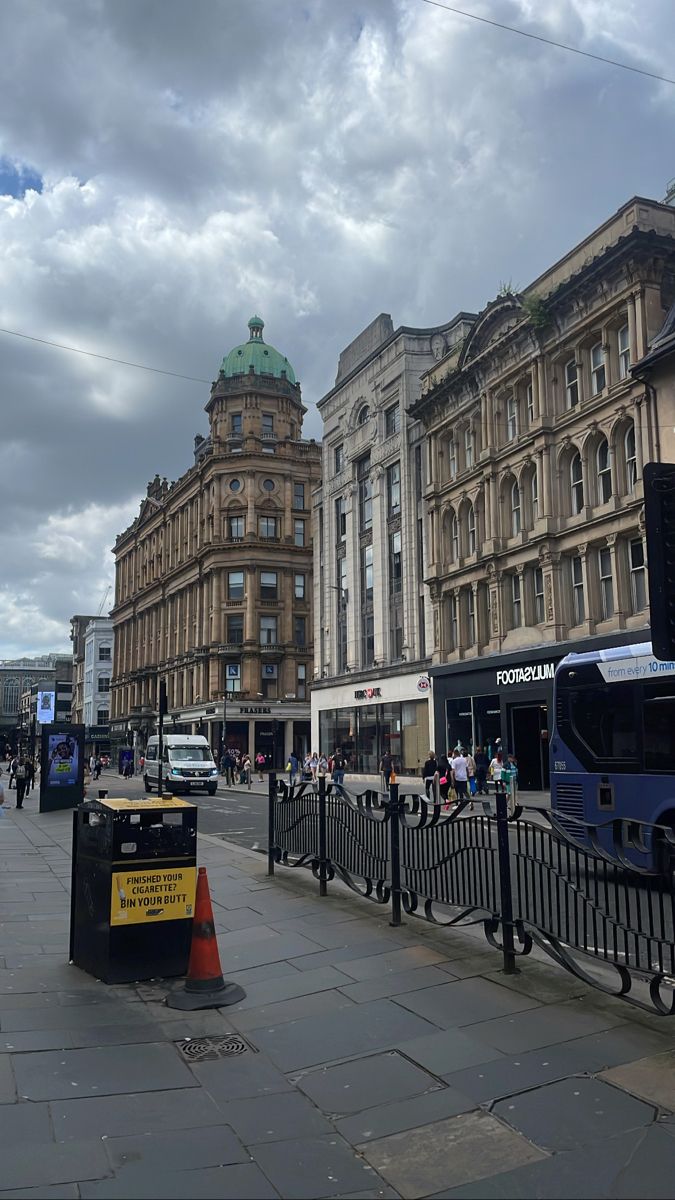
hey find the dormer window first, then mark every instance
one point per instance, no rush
(363, 415)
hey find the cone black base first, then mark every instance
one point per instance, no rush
(230, 993)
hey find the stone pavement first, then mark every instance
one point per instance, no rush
(377, 1062)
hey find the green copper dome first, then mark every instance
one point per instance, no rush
(265, 360)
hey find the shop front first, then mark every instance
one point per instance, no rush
(510, 697)
(272, 729)
(367, 721)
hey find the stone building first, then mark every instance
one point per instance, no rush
(372, 620)
(18, 676)
(213, 578)
(536, 440)
(78, 628)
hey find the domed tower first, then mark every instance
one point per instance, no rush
(256, 395)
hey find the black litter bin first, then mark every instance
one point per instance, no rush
(133, 893)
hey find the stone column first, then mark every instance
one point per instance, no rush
(542, 402)
(494, 507)
(632, 330)
(534, 380)
(639, 444)
(547, 499)
(621, 600)
(640, 322)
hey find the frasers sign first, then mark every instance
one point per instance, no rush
(533, 674)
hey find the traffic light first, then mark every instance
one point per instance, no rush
(659, 487)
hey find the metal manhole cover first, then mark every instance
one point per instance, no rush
(206, 1049)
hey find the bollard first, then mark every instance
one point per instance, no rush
(508, 945)
(395, 846)
(271, 835)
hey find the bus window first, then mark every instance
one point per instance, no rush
(603, 719)
(659, 726)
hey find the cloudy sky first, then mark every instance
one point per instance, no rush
(168, 168)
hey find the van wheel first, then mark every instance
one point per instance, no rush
(146, 784)
(211, 789)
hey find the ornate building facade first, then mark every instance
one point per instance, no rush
(373, 630)
(213, 579)
(536, 440)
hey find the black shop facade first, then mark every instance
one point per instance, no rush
(507, 696)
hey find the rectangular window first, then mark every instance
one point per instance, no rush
(395, 634)
(454, 623)
(235, 424)
(394, 489)
(395, 567)
(365, 493)
(516, 602)
(578, 606)
(392, 420)
(299, 533)
(638, 589)
(367, 640)
(471, 616)
(104, 683)
(452, 458)
(298, 495)
(269, 681)
(571, 384)
(367, 575)
(529, 401)
(301, 684)
(267, 527)
(341, 519)
(538, 596)
(268, 585)
(104, 654)
(658, 717)
(268, 424)
(236, 527)
(235, 628)
(233, 678)
(418, 470)
(268, 631)
(512, 417)
(338, 459)
(606, 584)
(299, 587)
(103, 716)
(235, 585)
(624, 352)
(598, 374)
(468, 448)
(300, 629)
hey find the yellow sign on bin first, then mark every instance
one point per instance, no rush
(162, 894)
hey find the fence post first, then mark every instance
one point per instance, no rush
(504, 856)
(323, 890)
(271, 832)
(395, 843)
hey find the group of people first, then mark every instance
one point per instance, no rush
(95, 766)
(22, 771)
(236, 767)
(460, 774)
(316, 764)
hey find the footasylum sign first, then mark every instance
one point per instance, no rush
(532, 674)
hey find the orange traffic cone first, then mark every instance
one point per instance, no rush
(204, 985)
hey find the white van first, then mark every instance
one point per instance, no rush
(188, 764)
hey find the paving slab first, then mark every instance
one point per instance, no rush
(284, 987)
(358, 1030)
(651, 1078)
(465, 1002)
(213, 1146)
(24, 1123)
(448, 1050)
(309, 1168)
(72, 1017)
(54, 1163)
(288, 945)
(237, 1182)
(59, 1191)
(75, 1039)
(108, 1070)
(395, 984)
(289, 1010)
(46, 975)
(544, 1026)
(274, 1118)
(401, 1115)
(374, 966)
(139, 1112)
(454, 1152)
(246, 1075)
(365, 1083)
(572, 1113)
(343, 954)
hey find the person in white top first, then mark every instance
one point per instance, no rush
(460, 775)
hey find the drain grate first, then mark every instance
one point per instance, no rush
(206, 1049)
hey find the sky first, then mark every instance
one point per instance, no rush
(169, 168)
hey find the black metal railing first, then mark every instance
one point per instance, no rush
(598, 899)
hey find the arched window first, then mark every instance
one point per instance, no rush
(471, 529)
(454, 538)
(534, 496)
(515, 510)
(604, 472)
(364, 415)
(10, 696)
(577, 484)
(631, 458)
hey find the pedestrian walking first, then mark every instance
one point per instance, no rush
(12, 770)
(471, 771)
(339, 767)
(322, 767)
(444, 777)
(292, 767)
(20, 775)
(386, 767)
(314, 764)
(92, 763)
(30, 775)
(245, 769)
(482, 762)
(460, 775)
(260, 763)
(430, 774)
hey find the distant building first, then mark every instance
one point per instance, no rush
(372, 616)
(213, 587)
(18, 676)
(78, 629)
(31, 720)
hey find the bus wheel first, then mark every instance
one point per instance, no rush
(147, 785)
(664, 850)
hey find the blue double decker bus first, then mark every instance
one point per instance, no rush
(613, 746)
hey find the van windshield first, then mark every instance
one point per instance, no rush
(190, 754)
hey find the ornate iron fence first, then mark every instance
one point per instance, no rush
(607, 915)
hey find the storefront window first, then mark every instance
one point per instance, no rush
(473, 721)
(390, 730)
(368, 759)
(459, 724)
(365, 734)
(415, 722)
(486, 722)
